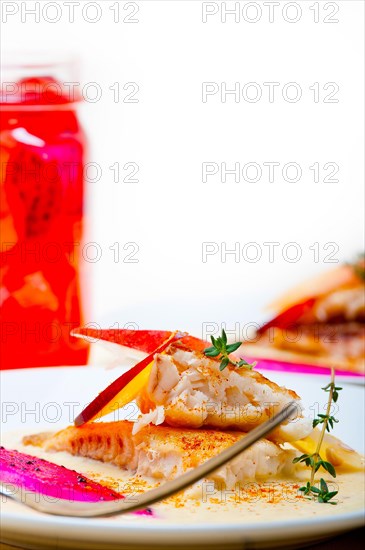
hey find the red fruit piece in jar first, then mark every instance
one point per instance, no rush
(39, 188)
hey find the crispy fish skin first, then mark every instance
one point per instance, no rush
(162, 452)
(193, 393)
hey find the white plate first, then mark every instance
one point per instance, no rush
(48, 398)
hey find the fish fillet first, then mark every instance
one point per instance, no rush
(187, 389)
(162, 452)
(321, 322)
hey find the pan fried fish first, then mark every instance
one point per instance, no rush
(163, 453)
(321, 322)
(186, 389)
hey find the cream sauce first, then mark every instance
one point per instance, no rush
(273, 500)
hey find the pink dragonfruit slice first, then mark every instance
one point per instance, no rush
(40, 476)
(20, 471)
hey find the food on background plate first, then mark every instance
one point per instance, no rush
(176, 433)
(321, 322)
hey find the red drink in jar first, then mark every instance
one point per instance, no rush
(42, 150)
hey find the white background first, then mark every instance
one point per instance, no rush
(170, 132)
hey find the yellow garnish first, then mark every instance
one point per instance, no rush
(128, 393)
(332, 449)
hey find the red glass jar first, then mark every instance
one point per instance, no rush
(42, 148)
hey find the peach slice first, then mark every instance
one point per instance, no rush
(125, 388)
(142, 340)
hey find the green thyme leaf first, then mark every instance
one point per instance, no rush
(222, 350)
(323, 485)
(211, 352)
(331, 495)
(233, 347)
(300, 458)
(224, 363)
(329, 467)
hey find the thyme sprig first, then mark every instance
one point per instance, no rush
(314, 460)
(323, 494)
(221, 349)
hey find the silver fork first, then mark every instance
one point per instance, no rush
(62, 507)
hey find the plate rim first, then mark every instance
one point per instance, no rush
(42, 526)
(261, 531)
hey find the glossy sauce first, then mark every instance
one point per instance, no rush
(270, 500)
